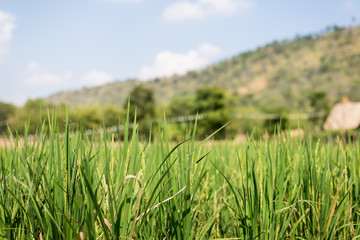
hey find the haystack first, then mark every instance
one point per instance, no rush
(344, 116)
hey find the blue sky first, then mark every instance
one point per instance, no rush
(47, 46)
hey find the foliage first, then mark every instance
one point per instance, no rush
(142, 105)
(277, 120)
(112, 115)
(7, 112)
(211, 101)
(142, 102)
(35, 112)
(88, 117)
(180, 106)
(319, 103)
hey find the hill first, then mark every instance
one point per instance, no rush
(278, 74)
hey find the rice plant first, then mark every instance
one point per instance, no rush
(73, 186)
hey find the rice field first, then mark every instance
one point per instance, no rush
(73, 186)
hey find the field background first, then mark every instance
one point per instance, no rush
(283, 72)
(239, 149)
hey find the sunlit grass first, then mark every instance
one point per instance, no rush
(70, 186)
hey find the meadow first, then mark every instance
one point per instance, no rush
(74, 186)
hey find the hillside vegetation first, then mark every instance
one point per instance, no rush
(281, 73)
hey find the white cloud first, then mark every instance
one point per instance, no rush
(46, 78)
(40, 82)
(200, 9)
(95, 78)
(7, 26)
(349, 5)
(168, 63)
(41, 76)
(32, 66)
(19, 98)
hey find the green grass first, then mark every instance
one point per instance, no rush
(69, 186)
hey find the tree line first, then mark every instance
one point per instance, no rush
(141, 105)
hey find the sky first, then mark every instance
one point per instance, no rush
(48, 46)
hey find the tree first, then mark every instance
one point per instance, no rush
(212, 102)
(34, 110)
(6, 112)
(37, 111)
(276, 124)
(112, 115)
(319, 103)
(88, 117)
(143, 103)
(209, 99)
(180, 106)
